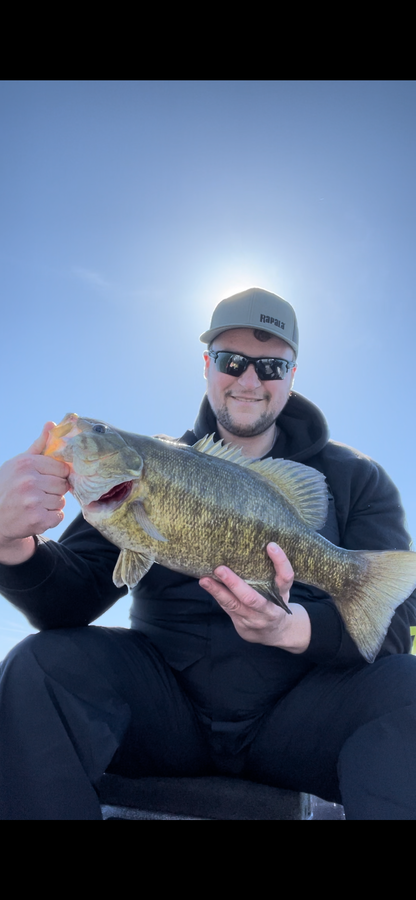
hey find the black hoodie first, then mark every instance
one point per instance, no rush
(69, 583)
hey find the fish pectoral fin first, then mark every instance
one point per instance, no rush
(143, 520)
(130, 568)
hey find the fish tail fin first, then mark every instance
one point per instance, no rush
(367, 607)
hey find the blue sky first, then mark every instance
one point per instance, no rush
(128, 209)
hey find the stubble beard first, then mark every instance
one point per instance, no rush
(245, 430)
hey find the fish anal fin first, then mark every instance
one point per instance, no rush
(130, 568)
(270, 592)
(144, 522)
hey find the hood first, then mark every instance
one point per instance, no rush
(303, 428)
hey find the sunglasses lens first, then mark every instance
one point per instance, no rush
(236, 365)
(267, 369)
(270, 369)
(231, 363)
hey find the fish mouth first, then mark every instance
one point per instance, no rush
(112, 498)
(119, 492)
(59, 435)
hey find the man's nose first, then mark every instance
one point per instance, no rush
(249, 379)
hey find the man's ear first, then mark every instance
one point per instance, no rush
(206, 363)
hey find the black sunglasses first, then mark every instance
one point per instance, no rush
(267, 368)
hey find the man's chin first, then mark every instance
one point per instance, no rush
(241, 428)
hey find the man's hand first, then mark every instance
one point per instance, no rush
(259, 620)
(32, 489)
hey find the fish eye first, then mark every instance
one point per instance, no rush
(100, 428)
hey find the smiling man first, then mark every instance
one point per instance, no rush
(212, 677)
(246, 405)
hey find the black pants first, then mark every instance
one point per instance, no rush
(75, 703)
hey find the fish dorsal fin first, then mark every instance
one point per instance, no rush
(223, 451)
(303, 487)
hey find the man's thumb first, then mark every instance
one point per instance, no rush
(39, 444)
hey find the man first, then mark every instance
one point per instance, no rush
(212, 677)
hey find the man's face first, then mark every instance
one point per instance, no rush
(246, 406)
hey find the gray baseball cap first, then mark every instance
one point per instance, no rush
(255, 308)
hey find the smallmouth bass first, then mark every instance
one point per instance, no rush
(192, 509)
